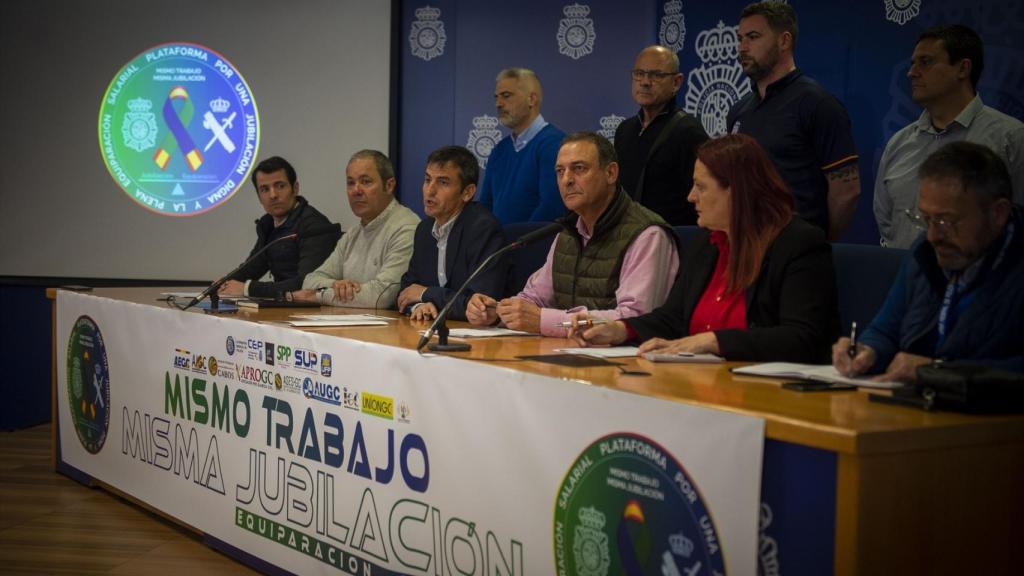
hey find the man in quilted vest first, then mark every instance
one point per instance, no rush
(616, 259)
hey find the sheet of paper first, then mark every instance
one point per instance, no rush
(181, 294)
(610, 352)
(340, 317)
(329, 323)
(821, 373)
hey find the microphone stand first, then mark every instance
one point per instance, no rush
(439, 325)
(212, 289)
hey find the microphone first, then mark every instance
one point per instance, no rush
(439, 322)
(211, 290)
(539, 234)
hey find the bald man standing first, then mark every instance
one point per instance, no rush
(519, 182)
(658, 146)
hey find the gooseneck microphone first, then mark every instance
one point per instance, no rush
(439, 323)
(212, 289)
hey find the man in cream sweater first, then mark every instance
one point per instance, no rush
(365, 268)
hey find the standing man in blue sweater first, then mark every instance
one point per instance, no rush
(519, 183)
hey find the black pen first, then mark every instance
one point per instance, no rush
(852, 350)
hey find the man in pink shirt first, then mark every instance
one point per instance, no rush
(617, 260)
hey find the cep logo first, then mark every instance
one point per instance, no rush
(378, 406)
(325, 365)
(305, 359)
(284, 353)
(321, 391)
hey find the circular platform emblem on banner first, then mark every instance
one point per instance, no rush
(88, 384)
(627, 506)
(179, 129)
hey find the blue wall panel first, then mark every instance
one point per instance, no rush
(858, 50)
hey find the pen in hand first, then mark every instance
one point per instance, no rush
(583, 323)
(852, 350)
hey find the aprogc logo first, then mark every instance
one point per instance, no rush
(321, 391)
(257, 376)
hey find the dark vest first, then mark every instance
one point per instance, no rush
(589, 276)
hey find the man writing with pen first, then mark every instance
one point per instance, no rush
(958, 295)
(616, 260)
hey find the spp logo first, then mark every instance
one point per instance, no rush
(322, 391)
(305, 360)
(325, 365)
(229, 346)
(284, 353)
(270, 353)
(182, 359)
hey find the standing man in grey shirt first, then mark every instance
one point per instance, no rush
(368, 261)
(944, 73)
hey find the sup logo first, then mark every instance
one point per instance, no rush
(88, 384)
(178, 129)
(627, 506)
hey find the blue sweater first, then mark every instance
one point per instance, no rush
(989, 327)
(521, 186)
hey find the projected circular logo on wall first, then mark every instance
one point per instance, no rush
(88, 384)
(626, 506)
(179, 129)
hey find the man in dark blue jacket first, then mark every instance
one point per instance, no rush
(457, 235)
(959, 294)
(287, 213)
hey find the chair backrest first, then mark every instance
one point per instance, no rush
(526, 260)
(864, 275)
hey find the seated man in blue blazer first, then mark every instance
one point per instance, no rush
(457, 235)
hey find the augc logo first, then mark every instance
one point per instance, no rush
(321, 391)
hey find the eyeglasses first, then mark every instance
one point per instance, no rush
(920, 222)
(639, 74)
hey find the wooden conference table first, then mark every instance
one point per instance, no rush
(916, 492)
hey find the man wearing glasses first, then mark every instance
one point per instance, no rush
(658, 146)
(958, 295)
(944, 73)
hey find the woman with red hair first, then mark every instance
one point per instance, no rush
(755, 284)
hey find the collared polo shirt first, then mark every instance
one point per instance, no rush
(806, 132)
(896, 185)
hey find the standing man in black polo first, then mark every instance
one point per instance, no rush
(658, 146)
(805, 130)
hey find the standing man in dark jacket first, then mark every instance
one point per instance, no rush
(657, 147)
(287, 261)
(958, 295)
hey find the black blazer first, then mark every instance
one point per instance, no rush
(792, 312)
(475, 235)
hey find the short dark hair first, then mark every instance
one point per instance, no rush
(781, 17)
(960, 43)
(384, 167)
(976, 166)
(605, 151)
(469, 168)
(273, 164)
